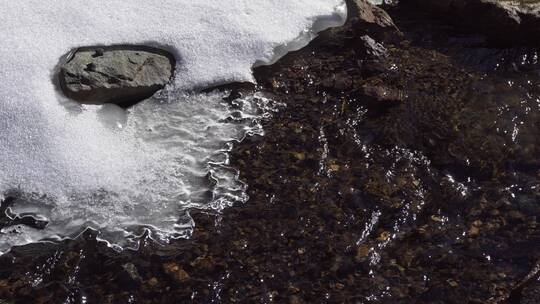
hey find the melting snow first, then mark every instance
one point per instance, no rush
(114, 171)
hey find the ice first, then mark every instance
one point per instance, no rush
(102, 167)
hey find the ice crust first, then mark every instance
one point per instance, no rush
(101, 167)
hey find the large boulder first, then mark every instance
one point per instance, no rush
(503, 22)
(368, 19)
(123, 75)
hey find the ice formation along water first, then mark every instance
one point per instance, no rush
(99, 167)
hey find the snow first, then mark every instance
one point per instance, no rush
(107, 169)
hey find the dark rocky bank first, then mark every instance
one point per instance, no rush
(503, 22)
(388, 177)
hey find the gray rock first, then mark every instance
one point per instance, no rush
(371, 48)
(122, 75)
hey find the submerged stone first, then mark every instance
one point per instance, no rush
(122, 75)
(381, 96)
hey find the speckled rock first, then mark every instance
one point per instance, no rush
(119, 75)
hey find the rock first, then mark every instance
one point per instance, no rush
(378, 98)
(382, 94)
(368, 13)
(129, 275)
(504, 23)
(375, 67)
(176, 272)
(122, 75)
(339, 82)
(531, 293)
(371, 49)
(528, 290)
(368, 19)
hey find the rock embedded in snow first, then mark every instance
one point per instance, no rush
(119, 75)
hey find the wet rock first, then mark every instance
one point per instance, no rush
(528, 290)
(531, 294)
(295, 300)
(371, 49)
(339, 81)
(153, 282)
(176, 272)
(119, 75)
(504, 22)
(381, 95)
(365, 12)
(372, 20)
(130, 275)
(374, 67)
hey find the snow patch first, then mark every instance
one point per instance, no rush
(109, 170)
